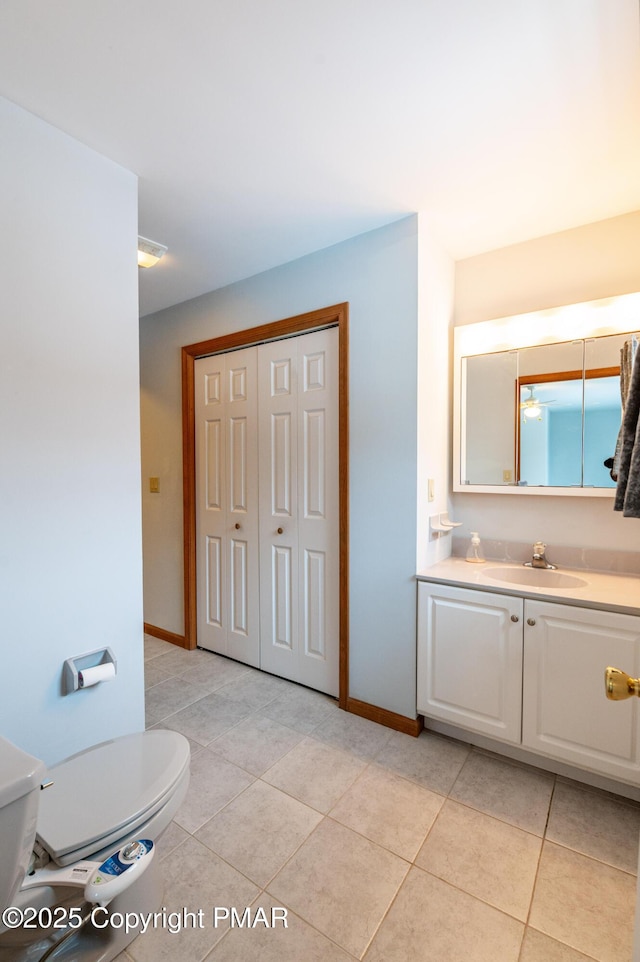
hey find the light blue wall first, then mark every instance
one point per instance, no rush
(601, 426)
(70, 551)
(565, 447)
(534, 451)
(377, 274)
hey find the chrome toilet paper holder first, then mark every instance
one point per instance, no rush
(91, 659)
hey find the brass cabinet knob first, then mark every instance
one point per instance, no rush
(237, 525)
(515, 618)
(618, 685)
(531, 621)
(280, 530)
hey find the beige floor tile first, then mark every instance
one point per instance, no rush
(213, 672)
(513, 793)
(214, 782)
(301, 709)
(359, 736)
(390, 810)
(298, 942)
(430, 760)
(483, 856)
(153, 675)
(171, 839)
(596, 824)
(168, 697)
(538, 947)
(259, 830)
(256, 743)
(431, 921)
(316, 773)
(207, 718)
(584, 903)
(156, 646)
(255, 689)
(175, 660)
(198, 879)
(341, 883)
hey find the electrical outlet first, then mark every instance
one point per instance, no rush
(431, 489)
(507, 474)
(154, 485)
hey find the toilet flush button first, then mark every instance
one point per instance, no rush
(132, 851)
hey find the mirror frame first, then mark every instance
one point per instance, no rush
(584, 321)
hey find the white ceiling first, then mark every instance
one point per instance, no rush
(262, 130)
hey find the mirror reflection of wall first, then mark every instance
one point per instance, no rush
(488, 417)
(550, 443)
(544, 416)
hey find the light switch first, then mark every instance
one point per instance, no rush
(431, 489)
(154, 485)
(507, 475)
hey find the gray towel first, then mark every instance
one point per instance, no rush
(628, 490)
(627, 354)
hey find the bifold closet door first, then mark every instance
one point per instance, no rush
(227, 505)
(299, 525)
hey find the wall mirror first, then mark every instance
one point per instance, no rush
(539, 418)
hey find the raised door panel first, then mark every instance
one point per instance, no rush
(227, 505)
(318, 507)
(243, 567)
(299, 527)
(278, 485)
(565, 712)
(211, 502)
(470, 659)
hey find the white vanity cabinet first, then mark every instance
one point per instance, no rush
(470, 659)
(565, 713)
(530, 673)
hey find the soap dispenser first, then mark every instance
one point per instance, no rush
(475, 554)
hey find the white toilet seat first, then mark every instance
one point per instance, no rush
(109, 791)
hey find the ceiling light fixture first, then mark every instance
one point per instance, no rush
(532, 411)
(531, 407)
(149, 252)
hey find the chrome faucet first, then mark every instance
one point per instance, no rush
(539, 559)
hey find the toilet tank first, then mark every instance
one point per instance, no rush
(20, 778)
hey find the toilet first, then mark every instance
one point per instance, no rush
(59, 824)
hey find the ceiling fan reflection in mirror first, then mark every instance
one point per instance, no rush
(532, 406)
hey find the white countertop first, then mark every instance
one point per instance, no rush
(613, 592)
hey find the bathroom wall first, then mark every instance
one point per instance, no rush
(70, 480)
(587, 263)
(435, 315)
(377, 274)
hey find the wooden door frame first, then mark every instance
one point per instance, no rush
(335, 316)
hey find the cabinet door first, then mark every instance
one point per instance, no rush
(470, 659)
(565, 712)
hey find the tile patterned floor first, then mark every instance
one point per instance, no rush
(380, 846)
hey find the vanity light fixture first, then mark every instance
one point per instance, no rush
(149, 252)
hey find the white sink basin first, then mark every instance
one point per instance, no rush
(534, 577)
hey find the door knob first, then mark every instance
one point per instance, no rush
(618, 685)
(280, 530)
(515, 619)
(531, 622)
(237, 525)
